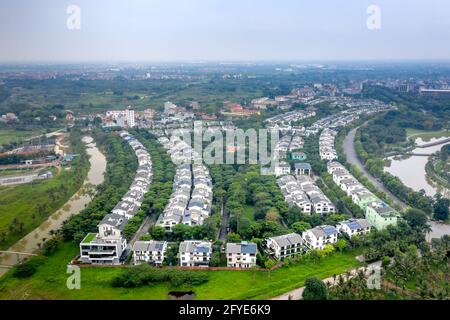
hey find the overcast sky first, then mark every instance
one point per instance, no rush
(161, 30)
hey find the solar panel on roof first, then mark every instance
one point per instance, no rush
(353, 225)
(329, 230)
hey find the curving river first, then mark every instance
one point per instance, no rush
(411, 169)
(31, 242)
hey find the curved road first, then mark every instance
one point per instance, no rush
(352, 158)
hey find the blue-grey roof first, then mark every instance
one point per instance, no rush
(329, 230)
(248, 247)
(302, 166)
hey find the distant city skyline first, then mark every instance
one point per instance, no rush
(221, 30)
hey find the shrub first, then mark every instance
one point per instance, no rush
(315, 289)
(27, 268)
(50, 246)
(145, 275)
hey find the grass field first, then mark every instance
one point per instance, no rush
(38, 199)
(49, 282)
(414, 133)
(24, 207)
(7, 136)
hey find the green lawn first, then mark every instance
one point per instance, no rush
(49, 282)
(21, 202)
(24, 207)
(7, 135)
(414, 133)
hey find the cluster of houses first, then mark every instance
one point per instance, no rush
(317, 238)
(120, 118)
(197, 253)
(286, 122)
(289, 144)
(191, 200)
(301, 191)
(285, 102)
(326, 144)
(355, 108)
(108, 246)
(377, 212)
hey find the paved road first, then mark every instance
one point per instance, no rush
(225, 223)
(143, 229)
(352, 158)
(296, 294)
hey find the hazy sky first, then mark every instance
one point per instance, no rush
(159, 30)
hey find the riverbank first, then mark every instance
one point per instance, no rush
(24, 207)
(353, 159)
(411, 170)
(95, 176)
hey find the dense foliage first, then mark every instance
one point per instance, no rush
(145, 275)
(120, 171)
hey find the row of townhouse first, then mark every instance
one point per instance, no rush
(289, 117)
(326, 144)
(191, 200)
(288, 144)
(195, 253)
(376, 211)
(200, 203)
(317, 238)
(293, 194)
(303, 193)
(108, 244)
(320, 202)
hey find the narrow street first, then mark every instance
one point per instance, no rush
(225, 223)
(143, 229)
(352, 158)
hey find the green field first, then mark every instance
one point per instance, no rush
(49, 282)
(24, 207)
(30, 204)
(7, 135)
(414, 133)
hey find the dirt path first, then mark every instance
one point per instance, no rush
(296, 294)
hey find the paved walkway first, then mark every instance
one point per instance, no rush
(352, 158)
(296, 294)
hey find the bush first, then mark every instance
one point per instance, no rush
(145, 275)
(27, 268)
(315, 289)
(50, 246)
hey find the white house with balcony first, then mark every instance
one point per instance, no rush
(354, 227)
(194, 253)
(319, 237)
(241, 255)
(284, 246)
(151, 251)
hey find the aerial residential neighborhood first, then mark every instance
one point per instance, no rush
(225, 156)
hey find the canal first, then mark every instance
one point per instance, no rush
(31, 242)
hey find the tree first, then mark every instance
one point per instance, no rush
(300, 226)
(341, 244)
(315, 289)
(416, 218)
(440, 208)
(233, 237)
(268, 264)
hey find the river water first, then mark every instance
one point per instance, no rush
(30, 243)
(411, 169)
